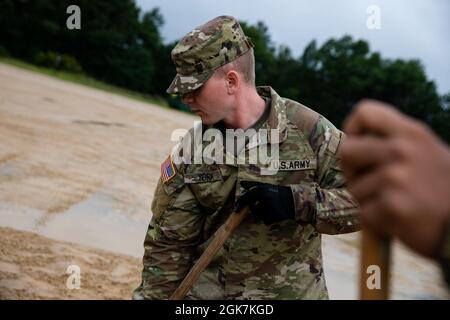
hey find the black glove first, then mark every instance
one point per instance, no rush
(271, 203)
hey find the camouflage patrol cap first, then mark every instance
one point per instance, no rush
(205, 49)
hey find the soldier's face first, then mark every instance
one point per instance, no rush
(211, 102)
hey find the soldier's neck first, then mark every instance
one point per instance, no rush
(248, 109)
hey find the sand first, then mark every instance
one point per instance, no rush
(78, 168)
(35, 267)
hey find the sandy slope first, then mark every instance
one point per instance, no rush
(35, 267)
(78, 165)
(78, 168)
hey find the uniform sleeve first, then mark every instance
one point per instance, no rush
(173, 234)
(326, 203)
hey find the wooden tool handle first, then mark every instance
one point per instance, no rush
(219, 238)
(374, 273)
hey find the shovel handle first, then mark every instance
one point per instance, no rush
(219, 238)
(374, 273)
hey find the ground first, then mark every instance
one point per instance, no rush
(35, 267)
(78, 167)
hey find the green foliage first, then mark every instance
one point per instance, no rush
(333, 77)
(46, 59)
(69, 63)
(58, 61)
(263, 49)
(123, 46)
(4, 52)
(117, 43)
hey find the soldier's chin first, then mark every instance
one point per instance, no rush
(206, 120)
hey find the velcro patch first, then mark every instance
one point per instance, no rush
(334, 141)
(203, 177)
(168, 170)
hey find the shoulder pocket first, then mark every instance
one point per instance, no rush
(169, 183)
(336, 140)
(161, 200)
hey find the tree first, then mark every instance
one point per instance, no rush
(116, 43)
(120, 44)
(263, 48)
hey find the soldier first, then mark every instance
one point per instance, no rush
(276, 251)
(400, 173)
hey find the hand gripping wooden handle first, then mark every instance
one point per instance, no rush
(219, 238)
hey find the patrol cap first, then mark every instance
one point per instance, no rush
(205, 49)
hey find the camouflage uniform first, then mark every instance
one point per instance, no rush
(278, 261)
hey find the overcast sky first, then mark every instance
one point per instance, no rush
(409, 28)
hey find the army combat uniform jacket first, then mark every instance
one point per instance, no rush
(258, 261)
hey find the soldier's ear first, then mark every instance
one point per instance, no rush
(233, 81)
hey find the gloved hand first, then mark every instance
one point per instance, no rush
(271, 203)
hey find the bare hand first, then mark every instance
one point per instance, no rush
(399, 171)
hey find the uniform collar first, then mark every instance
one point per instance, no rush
(277, 117)
(277, 120)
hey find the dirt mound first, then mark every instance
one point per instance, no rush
(35, 267)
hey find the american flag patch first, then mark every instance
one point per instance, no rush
(168, 170)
